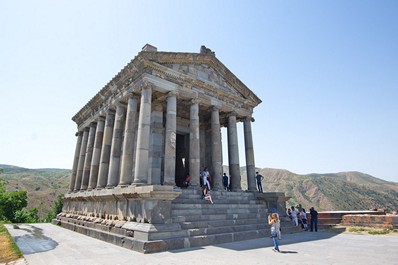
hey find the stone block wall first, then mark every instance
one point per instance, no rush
(376, 221)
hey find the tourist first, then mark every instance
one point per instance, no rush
(314, 220)
(206, 194)
(273, 220)
(294, 214)
(225, 181)
(259, 178)
(206, 178)
(187, 181)
(303, 215)
(289, 213)
(279, 220)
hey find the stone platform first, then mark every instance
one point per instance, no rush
(171, 218)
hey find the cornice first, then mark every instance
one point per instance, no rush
(154, 63)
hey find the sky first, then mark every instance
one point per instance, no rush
(326, 72)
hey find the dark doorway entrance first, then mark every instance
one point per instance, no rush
(182, 159)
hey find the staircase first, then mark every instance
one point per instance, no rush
(234, 216)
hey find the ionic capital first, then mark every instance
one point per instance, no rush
(173, 93)
(195, 101)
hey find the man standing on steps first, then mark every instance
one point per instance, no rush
(259, 178)
(225, 181)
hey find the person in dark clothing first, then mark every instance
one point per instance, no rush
(314, 220)
(259, 178)
(225, 181)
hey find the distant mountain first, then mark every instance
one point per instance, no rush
(42, 185)
(326, 192)
(339, 191)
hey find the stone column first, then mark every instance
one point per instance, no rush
(82, 156)
(216, 149)
(156, 146)
(75, 161)
(89, 156)
(194, 144)
(106, 150)
(144, 129)
(114, 165)
(170, 140)
(126, 171)
(233, 153)
(249, 152)
(99, 134)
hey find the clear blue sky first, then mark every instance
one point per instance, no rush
(326, 71)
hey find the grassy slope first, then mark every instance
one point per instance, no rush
(42, 185)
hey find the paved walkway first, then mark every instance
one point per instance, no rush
(50, 244)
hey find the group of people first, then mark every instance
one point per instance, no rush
(298, 215)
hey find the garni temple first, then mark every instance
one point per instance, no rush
(156, 122)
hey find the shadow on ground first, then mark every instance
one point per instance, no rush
(33, 241)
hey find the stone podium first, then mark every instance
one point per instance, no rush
(156, 122)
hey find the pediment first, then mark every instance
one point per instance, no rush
(206, 74)
(202, 69)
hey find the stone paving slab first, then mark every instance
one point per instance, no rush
(50, 244)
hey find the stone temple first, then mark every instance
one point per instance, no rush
(156, 122)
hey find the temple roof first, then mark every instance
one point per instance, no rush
(198, 72)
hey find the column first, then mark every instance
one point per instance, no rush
(89, 156)
(126, 169)
(249, 153)
(216, 149)
(156, 146)
(170, 140)
(75, 161)
(144, 126)
(233, 153)
(194, 147)
(106, 150)
(116, 148)
(99, 134)
(82, 156)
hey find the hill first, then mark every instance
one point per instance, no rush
(332, 192)
(42, 185)
(326, 192)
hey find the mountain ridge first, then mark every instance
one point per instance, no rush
(350, 190)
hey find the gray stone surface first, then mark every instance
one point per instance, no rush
(50, 244)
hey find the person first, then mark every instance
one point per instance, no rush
(187, 181)
(275, 225)
(206, 194)
(206, 178)
(279, 220)
(259, 178)
(289, 213)
(225, 181)
(303, 215)
(294, 214)
(314, 220)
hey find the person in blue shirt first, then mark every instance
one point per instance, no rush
(259, 178)
(225, 181)
(314, 220)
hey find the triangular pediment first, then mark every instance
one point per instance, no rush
(206, 74)
(202, 68)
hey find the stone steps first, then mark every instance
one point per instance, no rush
(234, 216)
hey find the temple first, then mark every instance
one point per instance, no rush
(156, 122)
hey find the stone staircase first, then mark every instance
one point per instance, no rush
(234, 216)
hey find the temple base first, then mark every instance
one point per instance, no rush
(151, 219)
